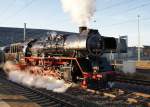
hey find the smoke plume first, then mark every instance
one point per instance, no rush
(81, 11)
(30, 80)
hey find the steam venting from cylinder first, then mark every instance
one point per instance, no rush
(25, 77)
(81, 11)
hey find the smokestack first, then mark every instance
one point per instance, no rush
(82, 28)
(93, 31)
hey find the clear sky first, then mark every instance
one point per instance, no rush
(112, 17)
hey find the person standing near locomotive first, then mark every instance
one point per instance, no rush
(28, 52)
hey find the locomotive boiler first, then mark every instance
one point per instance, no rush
(87, 43)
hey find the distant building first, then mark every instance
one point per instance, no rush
(133, 53)
(10, 35)
(146, 51)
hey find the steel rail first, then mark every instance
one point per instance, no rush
(133, 81)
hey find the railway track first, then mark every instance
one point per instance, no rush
(44, 97)
(77, 97)
(132, 85)
(35, 95)
(107, 98)
(67, 97)
(133, 81)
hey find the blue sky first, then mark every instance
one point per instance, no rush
(113, 17)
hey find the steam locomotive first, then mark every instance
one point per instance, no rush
(77, 56)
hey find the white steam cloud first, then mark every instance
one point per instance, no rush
(81, 11)
(38, 81)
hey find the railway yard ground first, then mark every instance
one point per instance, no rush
(123, 94)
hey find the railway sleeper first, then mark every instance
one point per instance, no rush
(47, 104)
(57, 105)
(22, 91)
(29, 94)
(36, 98)
(43, 100)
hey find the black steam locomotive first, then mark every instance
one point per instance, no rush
(78, 56)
